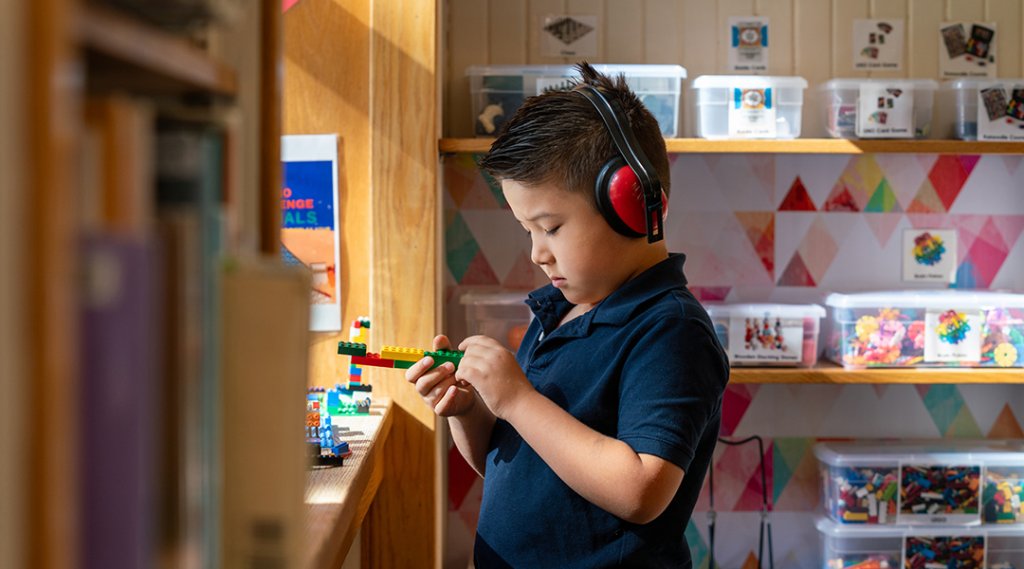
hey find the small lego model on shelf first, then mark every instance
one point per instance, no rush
(323, 436)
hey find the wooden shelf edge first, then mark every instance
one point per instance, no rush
(832, 374)
(794, 146)
(133, 42)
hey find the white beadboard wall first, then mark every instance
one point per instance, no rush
(810, 38)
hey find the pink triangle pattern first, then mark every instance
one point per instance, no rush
(1010, 227)
(461, 477)
(752, 498)
(948, 176)
(926, 200)
(710, 293)
(735, 403)
(987, 258)
(796, 273)
(479, 272)
(524, 275)
(883, 225)
(818, 249)
(760, 230)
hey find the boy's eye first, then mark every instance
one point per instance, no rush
(553, 230)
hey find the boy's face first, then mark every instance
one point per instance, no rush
(577, 249)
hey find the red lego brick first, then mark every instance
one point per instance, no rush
(372, 359)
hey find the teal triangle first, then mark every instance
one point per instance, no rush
(943, 403)
(787, 453)
(460, 247)
(698, 549)
(492, 184)
(883, 200)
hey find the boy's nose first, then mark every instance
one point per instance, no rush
(539, 254)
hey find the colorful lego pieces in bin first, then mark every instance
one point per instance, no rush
(1002, 495)
(939, 490)
(953, 552)
(864, 494)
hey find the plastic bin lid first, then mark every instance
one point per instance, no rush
(759, 310)
(494, 298)
(630, 70)
(945, 298)
(855, 83)
(730, 81)
(974, 83)
(834, 529)
(886, 453)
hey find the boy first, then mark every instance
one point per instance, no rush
(593, 441)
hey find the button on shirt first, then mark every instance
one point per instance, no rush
(643, 366)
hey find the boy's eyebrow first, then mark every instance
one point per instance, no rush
(540, 215)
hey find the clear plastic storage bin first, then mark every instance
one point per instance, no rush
(983, 109)
(502, 316)
(768, 334)
(878, 108)
(748, 106)
(928, 328)
(892, 547)
(498, 90)
(947, 483)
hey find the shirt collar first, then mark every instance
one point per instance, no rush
(549, 304)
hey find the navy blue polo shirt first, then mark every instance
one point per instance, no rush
(643, 366)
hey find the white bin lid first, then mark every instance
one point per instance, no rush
(855, 83)
(758, 310)
(834, 529)
(945, 298)
(885, 453)
(629, 70)
(741, 81)
(974, 83)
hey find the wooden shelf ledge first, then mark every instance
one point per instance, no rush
(138, 56)
(831, 373)
(795, 146)
(338, 497)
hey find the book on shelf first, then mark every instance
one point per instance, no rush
(266, 348)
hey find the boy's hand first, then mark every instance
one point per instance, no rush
(493, 371)
(438, 387)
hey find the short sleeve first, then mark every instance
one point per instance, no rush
(671, 387)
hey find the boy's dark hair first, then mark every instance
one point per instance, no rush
(558, 137)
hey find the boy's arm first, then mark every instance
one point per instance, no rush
(471, 432)
(607, 472)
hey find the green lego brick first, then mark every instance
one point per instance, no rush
(402, 364)
(351, 349)
(442, 356)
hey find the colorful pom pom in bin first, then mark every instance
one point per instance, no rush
(916, 547)
(768, 334)
(958, 482)
(928, 328)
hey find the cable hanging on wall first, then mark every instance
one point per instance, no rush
(766, 525)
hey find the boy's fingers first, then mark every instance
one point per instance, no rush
(446, 400)
(413, 373)
(441, 342)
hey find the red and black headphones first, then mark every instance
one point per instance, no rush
(628, 191)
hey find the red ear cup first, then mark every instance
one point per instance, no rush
(620, 198)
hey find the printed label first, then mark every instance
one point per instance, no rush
(765, 339)
(749, 48)
(967, 49)
(929, 255)
(952, 335)
(752, 113)
(1000, 111)
(878, 44)
(885, 111)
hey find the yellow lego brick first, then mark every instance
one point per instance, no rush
(402, 354)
